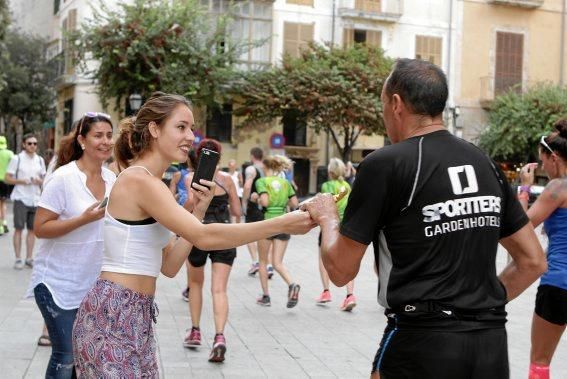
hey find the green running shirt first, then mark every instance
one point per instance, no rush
(5, 158)
(279, 192)
(334, 187)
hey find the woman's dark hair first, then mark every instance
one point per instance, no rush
(421, 85)
(557, 140)
(192, 159)
(210, 144)
(134, 139)
(69, 147)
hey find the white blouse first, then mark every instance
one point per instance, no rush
(69, 265)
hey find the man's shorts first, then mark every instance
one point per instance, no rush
(280, 237)
(198, 257)
(23, 215)
(5, 190)
(551, 304)
(476, 354)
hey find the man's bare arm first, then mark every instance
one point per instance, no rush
(528, 264)
(341, 255)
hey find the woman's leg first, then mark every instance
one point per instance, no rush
(278, 252)
(545, 337)
(350, 288)
(263, 251)
(323, 273)
(59, 323)
(196, 279)
(220, 274)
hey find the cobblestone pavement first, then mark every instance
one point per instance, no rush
(307, 341)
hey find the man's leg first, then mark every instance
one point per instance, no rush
(30, 238)
(30, 242)
(19, 224)
(18, 243)
(2, 215)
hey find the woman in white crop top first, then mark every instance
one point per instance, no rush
(121, 301)
(69, 227)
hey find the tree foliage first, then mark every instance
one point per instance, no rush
(28, 93)
(4, 23)
(332, 90)
(518, 120)
(4, 18)
(146, 45)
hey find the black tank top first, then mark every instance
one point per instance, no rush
(218, 212)
(254, 207)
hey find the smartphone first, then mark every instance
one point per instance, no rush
(208, 161)
(103, 203)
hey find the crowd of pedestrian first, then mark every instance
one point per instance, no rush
(434, 206)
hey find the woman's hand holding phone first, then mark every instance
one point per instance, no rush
(93, 213)
(203, 194)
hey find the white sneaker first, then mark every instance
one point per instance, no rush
(19, 264)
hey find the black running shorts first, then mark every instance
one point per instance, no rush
(280, 237)
(5, 190)
(476, 354)
(198, 257)
(551, 304)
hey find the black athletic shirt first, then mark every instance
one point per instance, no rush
(435, 207)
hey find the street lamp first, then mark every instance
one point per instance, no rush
(135, 101)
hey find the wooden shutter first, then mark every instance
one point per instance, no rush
(301, 2)
(509, 61)
(348, 38)
(373, 6)
(429, 49)
(374, 38)
(297, 37)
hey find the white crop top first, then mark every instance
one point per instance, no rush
(133, 249)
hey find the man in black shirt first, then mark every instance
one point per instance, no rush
(435, 208)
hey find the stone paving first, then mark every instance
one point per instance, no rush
(307, 341)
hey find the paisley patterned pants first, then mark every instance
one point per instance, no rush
(113, 334)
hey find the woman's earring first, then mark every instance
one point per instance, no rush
(83, 147)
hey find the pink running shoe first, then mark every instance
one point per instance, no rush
(219, 349)
(348, 303)
(254, 268)
(324, 298)
(193, 338)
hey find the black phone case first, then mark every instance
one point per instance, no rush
(206, 167)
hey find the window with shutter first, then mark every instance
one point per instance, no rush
(297, 37)
(509, 62)
(429, 49)
(374, 6)
(369, 37)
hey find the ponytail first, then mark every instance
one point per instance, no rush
(122, 149)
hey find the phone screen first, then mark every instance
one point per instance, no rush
(207, 165)
(103, 203)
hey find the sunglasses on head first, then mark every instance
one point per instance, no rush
(92, 115)
(544, 144)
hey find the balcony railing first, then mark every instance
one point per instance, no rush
(388, 11)
(531, 4)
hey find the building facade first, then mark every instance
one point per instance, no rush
(506, 44)
(484, 46)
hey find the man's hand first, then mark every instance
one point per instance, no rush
(321, 207)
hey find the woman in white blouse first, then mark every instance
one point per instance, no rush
(69, 225)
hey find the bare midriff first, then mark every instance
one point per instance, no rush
(139, 283)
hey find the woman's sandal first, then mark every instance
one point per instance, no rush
(44, 340)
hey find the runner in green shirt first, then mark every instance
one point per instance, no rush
(336, 170)
(275, 194)
(5, 158)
